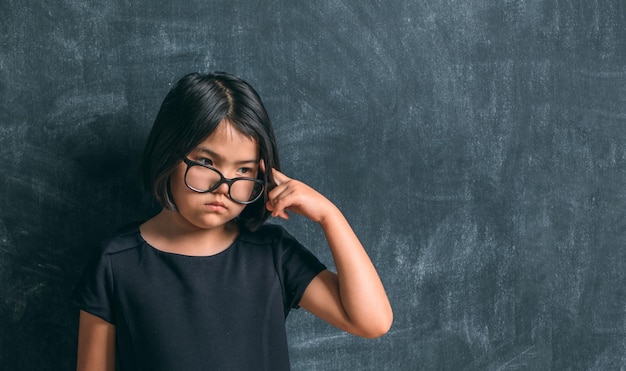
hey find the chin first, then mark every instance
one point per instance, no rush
(212, 223)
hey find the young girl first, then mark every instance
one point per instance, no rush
(205, 284)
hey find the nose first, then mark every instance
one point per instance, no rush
(222, 189)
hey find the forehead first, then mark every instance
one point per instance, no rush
(228, 142)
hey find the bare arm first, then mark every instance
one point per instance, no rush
(354, 298)
(96, 344)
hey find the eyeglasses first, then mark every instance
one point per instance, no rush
(204, 178)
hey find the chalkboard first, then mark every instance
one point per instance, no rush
(477, 147)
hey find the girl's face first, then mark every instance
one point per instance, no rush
(234, 155)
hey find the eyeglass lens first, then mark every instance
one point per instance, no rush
(203, 179)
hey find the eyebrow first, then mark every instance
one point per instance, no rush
(221, 158)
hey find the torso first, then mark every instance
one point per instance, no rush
(178, 312)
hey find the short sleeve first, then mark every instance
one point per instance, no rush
(296, 266)
(94, 291)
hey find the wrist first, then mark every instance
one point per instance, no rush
(330, 216)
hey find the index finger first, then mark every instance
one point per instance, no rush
(279, 178)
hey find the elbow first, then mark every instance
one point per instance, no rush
(374, 334)
(380, 330)
(376, 328)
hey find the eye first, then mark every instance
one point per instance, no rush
(245, 170)
(205, 161)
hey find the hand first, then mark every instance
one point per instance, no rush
(295, 196)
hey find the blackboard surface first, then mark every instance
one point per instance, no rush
(477, 147)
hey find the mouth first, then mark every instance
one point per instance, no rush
(215, 206)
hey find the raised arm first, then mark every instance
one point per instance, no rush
(96, 344)
(353, 299)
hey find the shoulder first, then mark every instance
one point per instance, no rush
(269, 235)
(275, 238)
(125, 238)
(266, 234)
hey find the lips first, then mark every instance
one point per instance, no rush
(216, 206)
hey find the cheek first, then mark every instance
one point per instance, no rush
(177, 184)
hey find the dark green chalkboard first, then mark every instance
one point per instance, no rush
(477, 147)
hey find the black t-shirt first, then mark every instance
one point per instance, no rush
(221, 312)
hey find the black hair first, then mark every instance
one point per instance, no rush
(190, 112)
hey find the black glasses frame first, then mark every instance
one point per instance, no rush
(223, 179)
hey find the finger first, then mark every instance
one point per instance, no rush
(280, 200)
(279, 193)
(279, 178)
(276, 212)
(283, 215)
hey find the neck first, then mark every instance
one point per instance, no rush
(167, 231)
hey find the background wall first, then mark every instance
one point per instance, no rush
(478, 148)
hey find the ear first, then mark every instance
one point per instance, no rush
(267, 175)
(262, 174)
